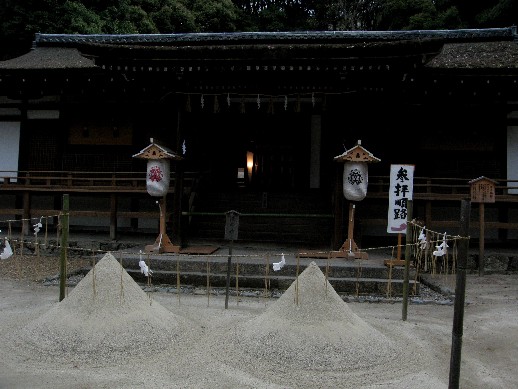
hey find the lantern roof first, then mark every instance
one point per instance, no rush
(357, 154)
(156, 151)
(482, 178)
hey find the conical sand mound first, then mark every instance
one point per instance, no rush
(311, 327)
(106, 315)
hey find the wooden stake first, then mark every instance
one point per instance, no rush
(229, 264)
(297, 282)
(237, 281)
(64, 246)
(460, 294)
(407, 260)
(481, 239)
(178, 277)
(208, 281)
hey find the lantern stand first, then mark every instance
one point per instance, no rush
(356, 156)
(157, 184)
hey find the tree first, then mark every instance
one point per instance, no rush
(216, 15)
(503, 13)
(20, 20)
(173, 16)
(343, 14)
(78, 19)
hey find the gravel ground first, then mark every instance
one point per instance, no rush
(110, 332)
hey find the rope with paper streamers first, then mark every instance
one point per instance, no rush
(432, 251)
(422, 243)
(281, 99)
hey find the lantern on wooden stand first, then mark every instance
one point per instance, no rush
(157, 185)
(355, 182)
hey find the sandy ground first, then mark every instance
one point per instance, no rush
(305, 339)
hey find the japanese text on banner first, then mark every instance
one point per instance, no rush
(400, 191)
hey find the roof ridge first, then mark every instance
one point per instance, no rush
(42, 39)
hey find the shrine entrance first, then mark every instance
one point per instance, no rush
(257, 152)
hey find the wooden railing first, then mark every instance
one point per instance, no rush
(112, 186)
(446, 189)
(438, 193)
(432, 192)
(58, 181)
(425, 188)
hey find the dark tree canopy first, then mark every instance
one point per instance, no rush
(21, 19)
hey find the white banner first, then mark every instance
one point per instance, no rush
(400, 191)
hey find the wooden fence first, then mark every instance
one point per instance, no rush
(430, 194)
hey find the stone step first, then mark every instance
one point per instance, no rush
(353, 286)
(261, 267)
(346, 276)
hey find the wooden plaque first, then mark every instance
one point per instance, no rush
(482, 190)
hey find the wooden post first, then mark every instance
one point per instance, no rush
(113, 216)
(460, 294)
(64, 247)
(162, 243)
(229, 264)
(177, 206)
(482, 191)
(26, 213)
(407, 259)
(134, 206)
(399, 243)
(481, 238)
(231, 233)
(176, 215)
(339, 211)
(349, 247)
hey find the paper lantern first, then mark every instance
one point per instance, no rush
(158, 174)
(356, 177)
(355, 180)
(158, 177)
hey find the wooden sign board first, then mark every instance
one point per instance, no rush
(231, 225)
(482, 190)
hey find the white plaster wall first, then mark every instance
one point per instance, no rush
(9, 149)
(512, 157)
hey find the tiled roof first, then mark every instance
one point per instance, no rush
(474, 48)
(494, 55)
(264, 37)
(49, 58)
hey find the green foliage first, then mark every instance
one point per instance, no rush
(216, 15)
(77, 19)
(504, 14)
(271, 19)
(173, 17)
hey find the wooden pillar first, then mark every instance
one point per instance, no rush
(428, 213)
(460, 297)
(176, 214)
(113, 216)
(26, 213)
(134, 206)
(163, 243)
(481, 238)
(338, 209)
